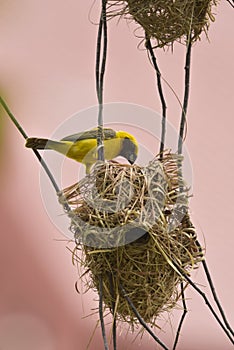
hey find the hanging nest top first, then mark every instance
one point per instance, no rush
(132, 224)
(166, 21)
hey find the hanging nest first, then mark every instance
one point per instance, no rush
(132, 224)
(166, 21)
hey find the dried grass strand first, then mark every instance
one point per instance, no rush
(132, 223)
(166, 21)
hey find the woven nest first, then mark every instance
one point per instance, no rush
(132, 223)
(166, 21)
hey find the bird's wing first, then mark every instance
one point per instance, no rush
(90, 134)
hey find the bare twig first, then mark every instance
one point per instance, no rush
(186, 94)
(100, 71)
(113, 312)
(138, 316)
(212, 288)
(185, 310)
(205, 299)
(231, 2)
(160, 91)
(101, 313)
(23, 133)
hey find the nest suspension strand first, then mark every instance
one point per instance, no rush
(166, 21)
(132, 223)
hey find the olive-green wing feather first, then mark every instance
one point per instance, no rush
(90, 134)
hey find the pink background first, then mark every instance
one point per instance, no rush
(47, 56)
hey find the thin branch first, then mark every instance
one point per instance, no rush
(231, 2)
(113, 304)
(101, 313)
(212, 288)
(185, 310)
(186, 94)
(23, 133)
(142, 322)
(102, 44)
(18, 126)
(100, 71)
(104, 54)
(160, 91)
(205, 299)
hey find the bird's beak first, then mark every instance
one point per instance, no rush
(132, 158)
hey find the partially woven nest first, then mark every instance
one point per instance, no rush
(132, 223)
(166, 21)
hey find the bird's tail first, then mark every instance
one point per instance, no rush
(36, 143)
(59, 146)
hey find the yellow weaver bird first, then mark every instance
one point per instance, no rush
(82, 147)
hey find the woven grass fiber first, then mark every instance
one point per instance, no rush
(131, 224)
(166, 21)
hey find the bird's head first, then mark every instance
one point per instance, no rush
(129, 148)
